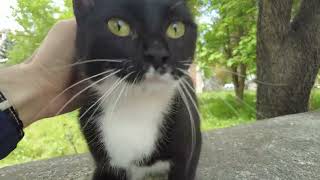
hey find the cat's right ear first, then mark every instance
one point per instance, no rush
(82, 7)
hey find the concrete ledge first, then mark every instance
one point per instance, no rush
(281, 148)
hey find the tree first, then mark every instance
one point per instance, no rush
(288, 56)
(231, 39)
(35, 19)
(5, 47)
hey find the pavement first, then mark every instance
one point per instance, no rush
(284, 148)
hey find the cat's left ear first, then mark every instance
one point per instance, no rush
(82, 7)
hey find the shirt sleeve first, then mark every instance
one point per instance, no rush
(10, 135)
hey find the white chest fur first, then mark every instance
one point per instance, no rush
(130, 124)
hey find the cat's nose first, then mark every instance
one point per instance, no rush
(157, 57)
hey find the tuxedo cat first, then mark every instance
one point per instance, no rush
(141, 117)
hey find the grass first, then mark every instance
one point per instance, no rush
(49, 138)
(61, 136)
(222, 109)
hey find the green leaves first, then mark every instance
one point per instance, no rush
(231, 38)
(35, 19)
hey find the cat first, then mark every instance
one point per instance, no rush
(141, 116)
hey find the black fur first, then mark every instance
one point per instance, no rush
(149, 20)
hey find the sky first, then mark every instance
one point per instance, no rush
(6, 20)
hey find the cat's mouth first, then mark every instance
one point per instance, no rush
(153, 76)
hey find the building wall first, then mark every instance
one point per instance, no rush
(197, 79)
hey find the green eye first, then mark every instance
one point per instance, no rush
(119, 27)
(176, 30)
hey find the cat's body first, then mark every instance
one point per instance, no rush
(139, 119)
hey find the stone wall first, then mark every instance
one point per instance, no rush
(282, 148)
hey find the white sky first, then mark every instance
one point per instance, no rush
(6, 20)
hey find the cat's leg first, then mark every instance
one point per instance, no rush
(180, 170)
(183, 167)
(109, 174)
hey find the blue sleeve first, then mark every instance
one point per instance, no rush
(10, 134)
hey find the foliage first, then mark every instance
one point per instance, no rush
(35, 19)
(231, 38)
(314, 100)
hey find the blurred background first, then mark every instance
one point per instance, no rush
(224, 71)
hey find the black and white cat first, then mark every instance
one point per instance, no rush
(141, 116)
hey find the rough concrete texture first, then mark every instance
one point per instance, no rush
(282, 148)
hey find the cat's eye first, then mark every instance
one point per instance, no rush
(119, 27)
(176, 30)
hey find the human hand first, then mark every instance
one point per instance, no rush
(36, 88)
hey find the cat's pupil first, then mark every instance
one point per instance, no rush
(119, 25)
(175, 28)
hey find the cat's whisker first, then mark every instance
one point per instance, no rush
(184, 72)
(69, 88)
(179, 3)
(103, 99)
(251, 108)
(84, 62)
(117, 101)
(118, 84)
(186, 61)
(97, 60)
(241, 75)
(85, 89)
(92, 115)
(120, 94)
(256, 81)
(224, 101)
(229, 105)
(184, 86)
(192, 123)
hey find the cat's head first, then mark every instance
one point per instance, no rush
(142, 39)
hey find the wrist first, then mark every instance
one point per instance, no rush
(19, 86)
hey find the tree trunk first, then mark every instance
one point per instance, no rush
(288, 56)
(239, 73)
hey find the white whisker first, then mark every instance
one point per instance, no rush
(112, 90)
(88, 87)
(183, 82)
(193, 130)
(184, 72)
(69, 88)
(120, 94)
(103, 98)
(87, 62)
(224, 101)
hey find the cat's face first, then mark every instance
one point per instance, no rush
(144, 39)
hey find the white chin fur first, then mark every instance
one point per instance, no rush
(152, 76)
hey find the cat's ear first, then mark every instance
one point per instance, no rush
(82, 7)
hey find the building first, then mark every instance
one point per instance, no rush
(3, 37)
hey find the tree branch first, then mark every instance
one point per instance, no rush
(274, 20)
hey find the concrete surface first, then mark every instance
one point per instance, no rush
(283, 148)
